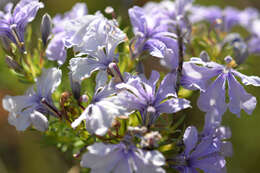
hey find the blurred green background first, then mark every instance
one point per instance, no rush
(24, 153)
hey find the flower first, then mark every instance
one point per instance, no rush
(141, 94)
(101, 112)
(120, 158)
(199, 154)
(214, 94)
(96, 37)
(29, 108)
(56, 49)
(224, 19)
(214, 130)
(14, 21)
(151, 34)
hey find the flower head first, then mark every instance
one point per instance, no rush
(214, 94)
(96, 37)
(29, 108)
(142, 95)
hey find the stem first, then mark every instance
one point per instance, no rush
(181, 58)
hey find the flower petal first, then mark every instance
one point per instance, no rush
(39, 121)
(239, 98)
(82, 68)
(190, 139)
(247, 80)
(214, 96)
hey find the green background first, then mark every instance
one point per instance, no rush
(24, 153)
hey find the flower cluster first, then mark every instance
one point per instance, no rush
(125, 119)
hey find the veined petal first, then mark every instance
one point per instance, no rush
(101, 79)
(39, 121)
(214, 96)
(190, 139)
(56, 50)
(167, 87)
(247, 80)
(82, 68)
(101, 162)
(48, 81)
(239, 98)
(197, 77)
(155, 47)
(173, 105)
(25, 11)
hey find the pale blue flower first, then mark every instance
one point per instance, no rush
(96, 37)
(101, 112)
(29, 108)
(213, 94)
(119, 158)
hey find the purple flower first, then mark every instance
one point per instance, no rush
(96, 37)
(56, 49)
(214, 95)
(120, 158)
(14, 21)
(214, 130)
(200, 154)
(29, 108)
(141, 94)
(223, 19)
(151, 34)
(101, 112)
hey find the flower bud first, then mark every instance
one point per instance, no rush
(6, 44)
(12, 64)
(46, 27)
(75, 87)
(204, 56)
(239, 47)
(114, 71)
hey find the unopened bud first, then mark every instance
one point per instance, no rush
(114, 71)
(17, 38)
(11, 63)
(239, 47)
(75, 87)
(6, 44)
(204, 56)
(83, 98)
(109, 10)
(46, 27)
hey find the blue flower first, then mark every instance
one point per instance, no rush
(203, 154)
(213, 94)
(101, 112)
(56, 49)
(151, 34)
(141, 94)
(29, 108)
(14, 21)
(96, 37)
(120, 158)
